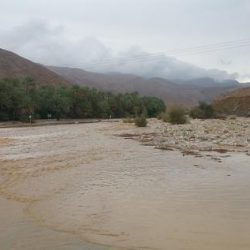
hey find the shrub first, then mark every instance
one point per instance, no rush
(141, 121)
(164, 117)
(177, 116)
(196, 113)
(203, 111)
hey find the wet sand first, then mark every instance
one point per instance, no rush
(83, 187)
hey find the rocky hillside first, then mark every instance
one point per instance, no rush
(15, 66)
(236, 102)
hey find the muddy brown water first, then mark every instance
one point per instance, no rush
(80, 187)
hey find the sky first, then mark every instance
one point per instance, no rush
(175, 39)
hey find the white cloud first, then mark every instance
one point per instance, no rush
(53, 45)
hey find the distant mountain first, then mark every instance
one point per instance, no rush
(15, 66)
(209, 82)
(182, 93)
(236, 102)
(186, 93)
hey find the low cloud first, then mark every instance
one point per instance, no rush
(52, 45)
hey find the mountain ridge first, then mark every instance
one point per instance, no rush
(15, 66)
(173, 93)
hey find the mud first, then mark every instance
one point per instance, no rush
(81, 186)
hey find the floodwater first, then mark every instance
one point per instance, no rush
(82, 187)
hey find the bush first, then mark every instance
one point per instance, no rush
(177, 116)
(164, 117)
(141, 121)
(203, 111)
(196, 113)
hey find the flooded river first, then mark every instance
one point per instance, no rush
(82, 187)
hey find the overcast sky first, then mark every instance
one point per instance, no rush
(167, 38)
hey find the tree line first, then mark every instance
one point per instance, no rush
(20, 99)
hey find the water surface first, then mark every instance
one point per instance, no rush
(79, 183)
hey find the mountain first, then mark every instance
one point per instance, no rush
(187, 93)
(173, 93)
(208, 82)
(236, 102)
(15, 66)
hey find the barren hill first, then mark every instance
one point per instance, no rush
(15, 66)
(236, 102)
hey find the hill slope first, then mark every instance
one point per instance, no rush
(15, 66)
(236, 102)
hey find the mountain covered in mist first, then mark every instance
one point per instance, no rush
(179, 92)
(172, 92)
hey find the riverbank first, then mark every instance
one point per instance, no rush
(199, 137)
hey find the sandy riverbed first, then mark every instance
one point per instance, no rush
(63, 186)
